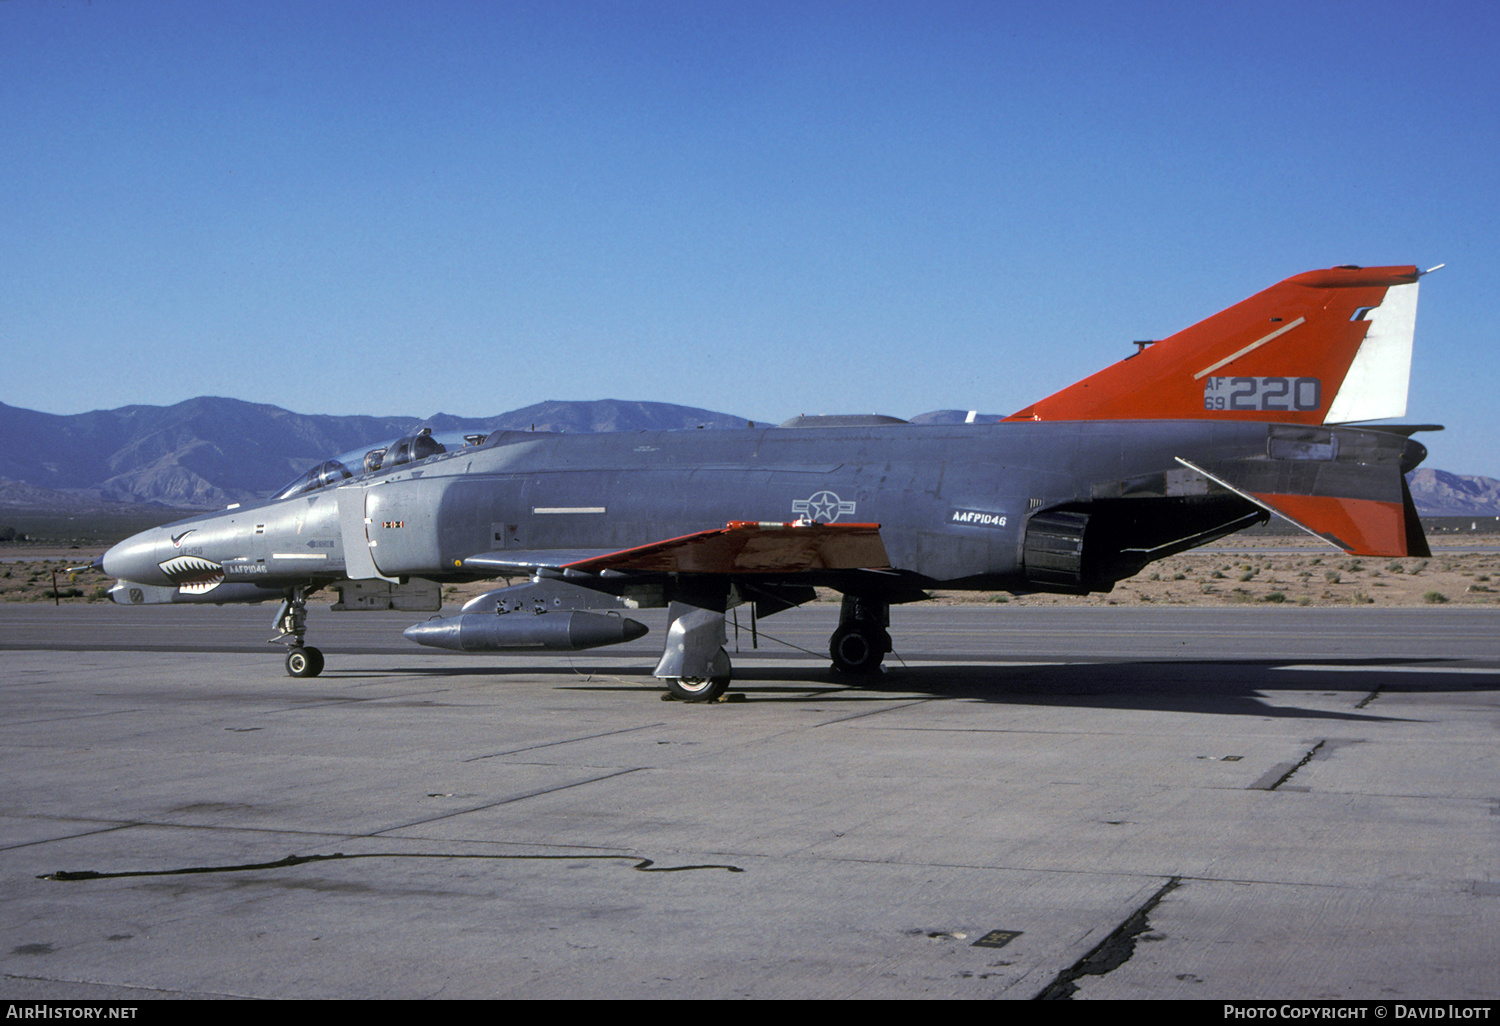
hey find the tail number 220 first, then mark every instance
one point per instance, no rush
(1249, 394)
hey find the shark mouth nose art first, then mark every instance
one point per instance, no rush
(193, 575)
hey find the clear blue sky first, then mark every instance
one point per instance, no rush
(764, 208)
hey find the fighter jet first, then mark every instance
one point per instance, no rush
(1249, 413)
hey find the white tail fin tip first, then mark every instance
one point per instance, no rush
(1375, 387)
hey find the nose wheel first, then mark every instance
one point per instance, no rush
(301, 660)
(304, 661)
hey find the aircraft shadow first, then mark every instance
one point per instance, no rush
(1246, 687)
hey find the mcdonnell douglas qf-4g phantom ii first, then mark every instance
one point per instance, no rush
(1188, 439)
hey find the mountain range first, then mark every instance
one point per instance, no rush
(210, 451)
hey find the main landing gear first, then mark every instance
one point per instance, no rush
(695, 667)
(703, 689)
(694, 664)
(859, 645)
(302, 660)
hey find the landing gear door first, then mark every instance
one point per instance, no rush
(358, 563)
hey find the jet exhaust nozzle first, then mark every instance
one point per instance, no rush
(566, 630)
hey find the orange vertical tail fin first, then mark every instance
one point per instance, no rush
(1331, 346)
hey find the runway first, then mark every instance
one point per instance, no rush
(1092, 803)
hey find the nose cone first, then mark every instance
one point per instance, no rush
(606, 630)
(442, 633)
(135, 558)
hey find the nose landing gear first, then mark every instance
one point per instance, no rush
(302, 660)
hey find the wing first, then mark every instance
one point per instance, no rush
(740, 547)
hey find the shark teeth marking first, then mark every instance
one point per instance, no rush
(194, 575)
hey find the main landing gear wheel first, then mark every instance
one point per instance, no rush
(303, 661)
(858, 651)
(703, 689)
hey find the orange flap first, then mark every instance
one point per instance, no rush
(747, 547)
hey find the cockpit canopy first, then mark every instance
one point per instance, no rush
(410, 449)
(324, 474)
(405, 450)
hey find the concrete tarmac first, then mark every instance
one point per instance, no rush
(1076, 802)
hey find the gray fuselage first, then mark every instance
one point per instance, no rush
(954, 502)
